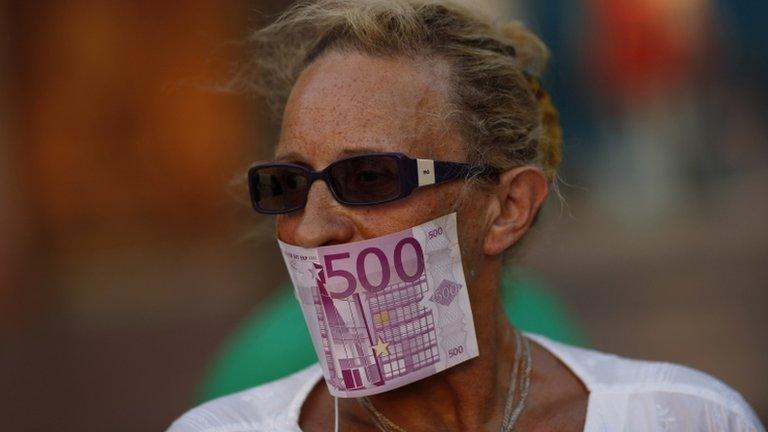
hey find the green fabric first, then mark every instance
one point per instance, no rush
(274, 341)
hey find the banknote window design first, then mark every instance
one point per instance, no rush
(410, 323)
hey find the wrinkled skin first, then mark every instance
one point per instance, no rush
(346, 103)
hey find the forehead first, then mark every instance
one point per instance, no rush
(349, 102)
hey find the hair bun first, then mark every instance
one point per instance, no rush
(531, 52)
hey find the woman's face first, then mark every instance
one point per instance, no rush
(344, 104)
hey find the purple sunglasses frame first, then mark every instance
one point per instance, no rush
(413, 174)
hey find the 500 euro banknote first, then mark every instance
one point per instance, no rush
(387, 311)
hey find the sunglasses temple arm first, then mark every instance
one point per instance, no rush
(445, 171)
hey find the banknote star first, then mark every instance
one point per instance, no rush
(381, 348)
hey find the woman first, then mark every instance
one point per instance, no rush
(438, 85)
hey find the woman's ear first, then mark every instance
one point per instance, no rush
(519, 195)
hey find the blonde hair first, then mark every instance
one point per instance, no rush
(500, 109)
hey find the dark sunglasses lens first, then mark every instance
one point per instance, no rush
(278, 189)
(366, 179)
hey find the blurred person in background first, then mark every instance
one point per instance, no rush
(644, 77)
(661, 84)
(434, 80)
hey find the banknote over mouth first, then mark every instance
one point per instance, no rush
(386, 311)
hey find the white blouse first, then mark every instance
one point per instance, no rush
(624, 395)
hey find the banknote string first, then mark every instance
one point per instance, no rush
(512, 410)
(335, 414)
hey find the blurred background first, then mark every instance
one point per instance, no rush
(127, 255)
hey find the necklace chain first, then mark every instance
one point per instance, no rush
(382, 422)
(512, 409)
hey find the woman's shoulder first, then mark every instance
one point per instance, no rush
(273, 406)
(633, 394)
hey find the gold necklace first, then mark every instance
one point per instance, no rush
(512, 411)
(382, 422)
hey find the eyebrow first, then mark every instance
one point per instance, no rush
(294, 156)
(289, 157)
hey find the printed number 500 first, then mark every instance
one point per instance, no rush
(362, 276)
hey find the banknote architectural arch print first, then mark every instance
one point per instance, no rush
(387, 311)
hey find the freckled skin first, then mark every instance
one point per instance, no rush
(346, 101)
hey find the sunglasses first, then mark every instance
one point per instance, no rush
(362, 180)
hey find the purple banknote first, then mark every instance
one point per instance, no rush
(387, 311)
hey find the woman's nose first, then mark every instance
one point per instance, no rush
(323, 221)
